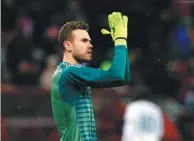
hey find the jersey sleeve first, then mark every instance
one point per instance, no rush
(87, 76)
(127, 69)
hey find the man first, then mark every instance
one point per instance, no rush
(71, 82)
(143, 120)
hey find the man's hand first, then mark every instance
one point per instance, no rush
(118, 28)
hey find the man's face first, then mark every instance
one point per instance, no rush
(81, 46)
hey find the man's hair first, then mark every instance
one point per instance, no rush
(67, 29)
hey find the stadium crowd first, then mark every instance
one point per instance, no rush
(161, 50)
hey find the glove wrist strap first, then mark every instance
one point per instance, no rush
(120, 41)
(120, 38)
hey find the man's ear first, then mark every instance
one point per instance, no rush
(67, 45)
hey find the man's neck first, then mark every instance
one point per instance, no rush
(69, 59)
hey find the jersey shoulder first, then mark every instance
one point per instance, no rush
(63, 68)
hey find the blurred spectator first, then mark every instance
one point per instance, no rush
(20, 61)
(186, 125)
(25, 24)
(74, 11)
(54, 136)
(4, 131)
(189, 100)
(110, 121)
(143, 118)
(171, 132)
(49, 40)
(46, 76)
(6, 36)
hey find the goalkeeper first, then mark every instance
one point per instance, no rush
(71, 82)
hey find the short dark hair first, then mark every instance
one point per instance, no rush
(67, 29)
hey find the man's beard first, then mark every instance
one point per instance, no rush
(81, 60)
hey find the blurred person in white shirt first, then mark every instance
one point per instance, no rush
(143, 119)
(45, 78)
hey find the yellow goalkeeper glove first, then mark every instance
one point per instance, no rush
(118, 28)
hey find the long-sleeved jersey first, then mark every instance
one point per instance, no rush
(71, 95)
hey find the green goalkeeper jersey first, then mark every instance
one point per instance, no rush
(71, 95)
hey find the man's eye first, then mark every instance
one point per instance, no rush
(84, 40)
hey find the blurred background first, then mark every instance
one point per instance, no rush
(161, 49)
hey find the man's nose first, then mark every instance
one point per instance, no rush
(90, 45)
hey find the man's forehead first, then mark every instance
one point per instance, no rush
(79, 33)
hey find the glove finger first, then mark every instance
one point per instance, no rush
(114, 17)
(114, 13)
(105, 32)
(125, 20)
(118, 17)
(111, 21)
